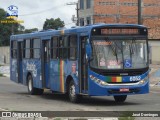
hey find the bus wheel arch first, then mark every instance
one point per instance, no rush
(28, 74)
(71, 90)
(31, 89)
(68, 80)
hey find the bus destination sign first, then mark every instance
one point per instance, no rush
(119, 31)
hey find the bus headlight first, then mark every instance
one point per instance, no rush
(98, 81)
(144, 80)
(103, 83)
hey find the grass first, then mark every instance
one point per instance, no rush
(1, 75)
(127, 115)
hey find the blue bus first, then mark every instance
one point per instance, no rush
(93, 60)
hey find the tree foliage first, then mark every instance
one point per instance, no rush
(53, 24)
(6, 30)
(31, 30)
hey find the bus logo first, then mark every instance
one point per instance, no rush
(6, 114)
(11, 16)
(12, 11)
(74, 68)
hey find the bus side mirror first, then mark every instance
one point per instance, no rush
(88, 50)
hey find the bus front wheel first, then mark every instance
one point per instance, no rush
(72, 93)
(120, 98)
(32, 90)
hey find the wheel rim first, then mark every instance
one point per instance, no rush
(30, 84)
(72, 91)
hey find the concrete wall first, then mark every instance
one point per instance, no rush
(86, 12)
(4, 55)
(154, 51)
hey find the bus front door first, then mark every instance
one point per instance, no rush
(19, 61)
(83, 81)
(45, 63)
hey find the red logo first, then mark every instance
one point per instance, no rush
(74, 68)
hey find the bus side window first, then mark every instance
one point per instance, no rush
(60, 47)
(72, 47)
(54, 47)
(36, 48)
(63, 47)
(27, 48)
(14, 49)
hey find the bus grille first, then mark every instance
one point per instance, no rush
(122, 82)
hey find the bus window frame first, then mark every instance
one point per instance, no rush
(52, 48)
(31, 49)
(30, 56)
(75, 47)
(59, 39)
(13, 49)
(32, 45)
(63, 47)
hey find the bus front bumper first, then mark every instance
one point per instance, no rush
(112, 90)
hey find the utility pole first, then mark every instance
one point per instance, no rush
(12, 30)
(77, 14)
(118, 12)
(140, 12)
(77, 10)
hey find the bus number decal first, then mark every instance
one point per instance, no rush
(135, 78)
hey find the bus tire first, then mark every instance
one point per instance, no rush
(120, 98)
(32, 90)
(73, 97)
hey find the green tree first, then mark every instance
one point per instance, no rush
(53, 24)
(6, 30)
(31, 30)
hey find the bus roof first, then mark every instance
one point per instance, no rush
(74, 30)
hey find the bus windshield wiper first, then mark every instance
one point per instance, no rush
(113, 48)
(133, 42)
(131, 48)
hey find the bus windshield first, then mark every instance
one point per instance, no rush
(119, 54)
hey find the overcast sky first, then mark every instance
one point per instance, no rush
(35, 12)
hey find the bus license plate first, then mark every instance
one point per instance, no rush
(124, 90)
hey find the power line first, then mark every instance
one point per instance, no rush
(39, 12)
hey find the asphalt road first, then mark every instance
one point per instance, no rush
(14, 97)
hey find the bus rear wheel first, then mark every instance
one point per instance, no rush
(120, 98)
(73, 97)
(32, 90)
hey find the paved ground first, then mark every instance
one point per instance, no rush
(14, 97)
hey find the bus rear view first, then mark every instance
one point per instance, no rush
(118, 61)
